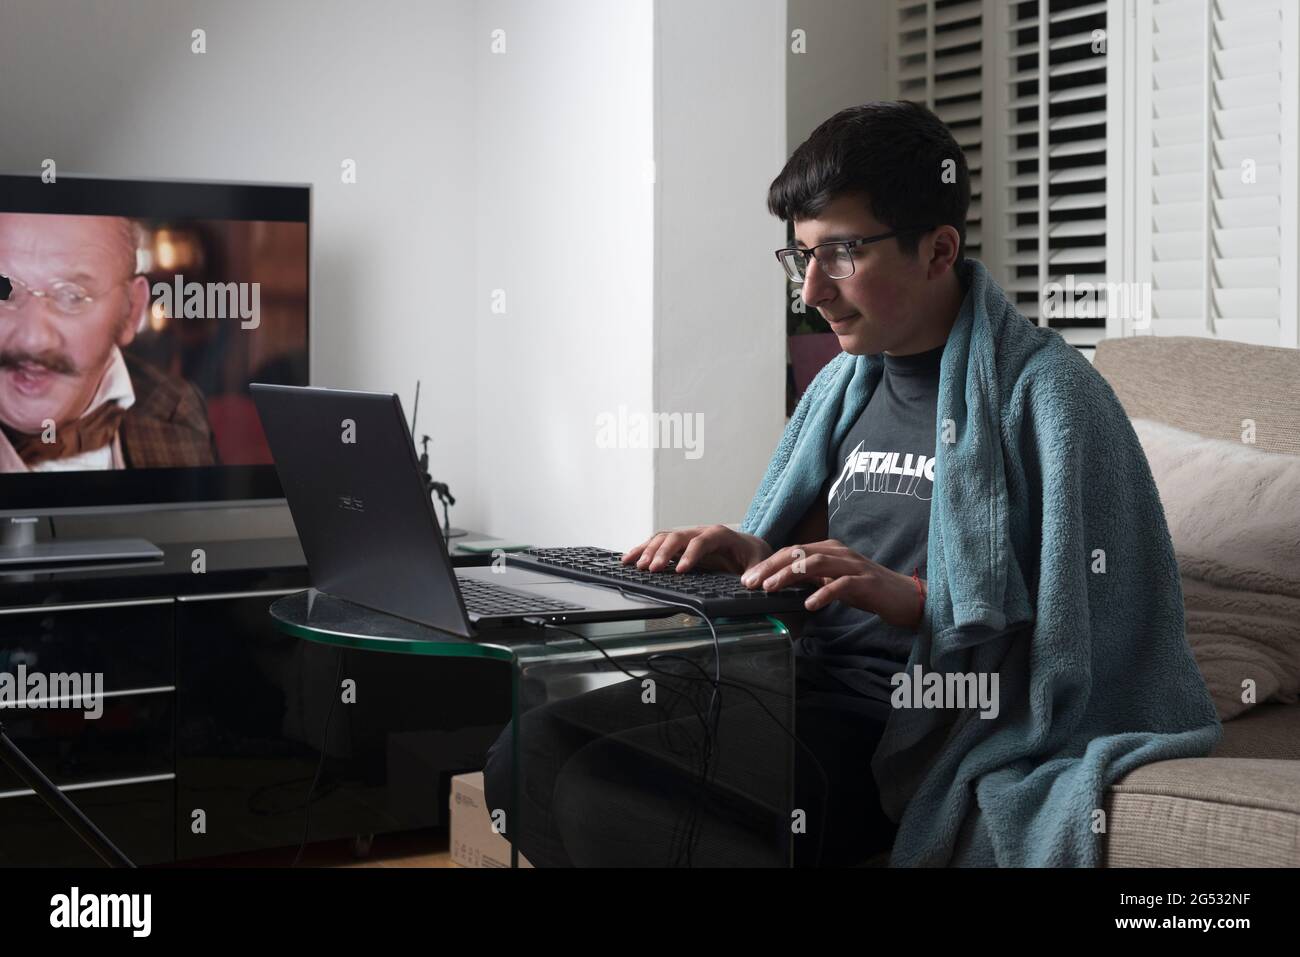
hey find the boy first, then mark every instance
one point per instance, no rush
(942, 481)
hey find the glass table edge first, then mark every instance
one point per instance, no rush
(468, 648)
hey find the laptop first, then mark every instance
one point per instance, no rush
(351, 476)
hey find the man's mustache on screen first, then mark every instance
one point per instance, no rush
(54, 362)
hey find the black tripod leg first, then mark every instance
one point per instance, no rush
(58, 802)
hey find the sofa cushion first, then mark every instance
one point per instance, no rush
(1268, 731)
(1234, 517)
(1205, 812)
(1207, 386)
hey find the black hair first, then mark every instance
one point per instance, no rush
(894, 155)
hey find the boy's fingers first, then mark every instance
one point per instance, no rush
(700, 547)
(667, 550)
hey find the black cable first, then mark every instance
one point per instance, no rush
(688, 847)
(717, 658)
(710, 732)
(817, 765)
(717, 682)
(324, 744)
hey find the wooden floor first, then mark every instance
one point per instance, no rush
(411, 849)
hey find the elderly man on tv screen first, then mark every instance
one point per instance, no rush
(71, 398)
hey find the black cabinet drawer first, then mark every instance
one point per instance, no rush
(133, 737)
(137, 817)
(251, 716)
(129, 643)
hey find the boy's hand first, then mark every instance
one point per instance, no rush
(706, 547)
(844, 576)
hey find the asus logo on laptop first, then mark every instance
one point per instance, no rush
(351, 504)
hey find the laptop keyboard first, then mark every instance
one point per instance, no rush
(716, 593)
(484, 598)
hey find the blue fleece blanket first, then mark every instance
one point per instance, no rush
(1049, 564)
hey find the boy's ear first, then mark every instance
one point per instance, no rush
(947, 244)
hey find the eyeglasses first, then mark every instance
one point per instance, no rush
(66, 298)
(835, 258)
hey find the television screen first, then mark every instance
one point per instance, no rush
(133, 317)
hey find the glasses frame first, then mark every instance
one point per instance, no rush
(44, 294)
(810, 252)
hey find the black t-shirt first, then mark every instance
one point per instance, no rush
(879, 506)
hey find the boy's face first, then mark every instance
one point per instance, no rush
(882, 306)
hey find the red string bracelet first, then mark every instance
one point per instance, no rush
(920, 593)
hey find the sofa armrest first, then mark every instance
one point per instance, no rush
(1205, 812)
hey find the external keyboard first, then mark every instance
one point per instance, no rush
(718, 594)
(484, 598)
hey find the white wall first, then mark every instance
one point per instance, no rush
(846, 62)
(569, 123)
(564, 230)
(734, 101)
(720, 334)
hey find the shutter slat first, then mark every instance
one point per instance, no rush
(1265, 149)
(1247, 241)
(957, 13)
(1078, 227)
(1078, 254)
(1247, 211)
(1077, 120)
(963, 86)
(1091, 91)
(1185, 70)
(1078, 174)
(1078, 147)
(1238, 31)
(1248, 120)
(1249, 91)
(1078, 201)
(1187, 158)
(1175, 130)
(1247, 60)
(956, 112)
(957, 38)
(1230, 185)
(1074, 13)
(1248, 273)
(1177, 187)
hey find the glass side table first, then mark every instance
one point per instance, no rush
(619, 751)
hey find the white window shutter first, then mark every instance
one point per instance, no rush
(1025, 93)
(1216, 171)
(1053, 119)
(937, 57)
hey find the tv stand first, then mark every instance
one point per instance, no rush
(213, 720)
(102, 551)
(19, 548)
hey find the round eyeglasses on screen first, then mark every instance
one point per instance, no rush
(835, 258)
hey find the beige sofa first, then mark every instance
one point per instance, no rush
(1240, 807)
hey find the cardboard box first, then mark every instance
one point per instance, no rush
(473, 842)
